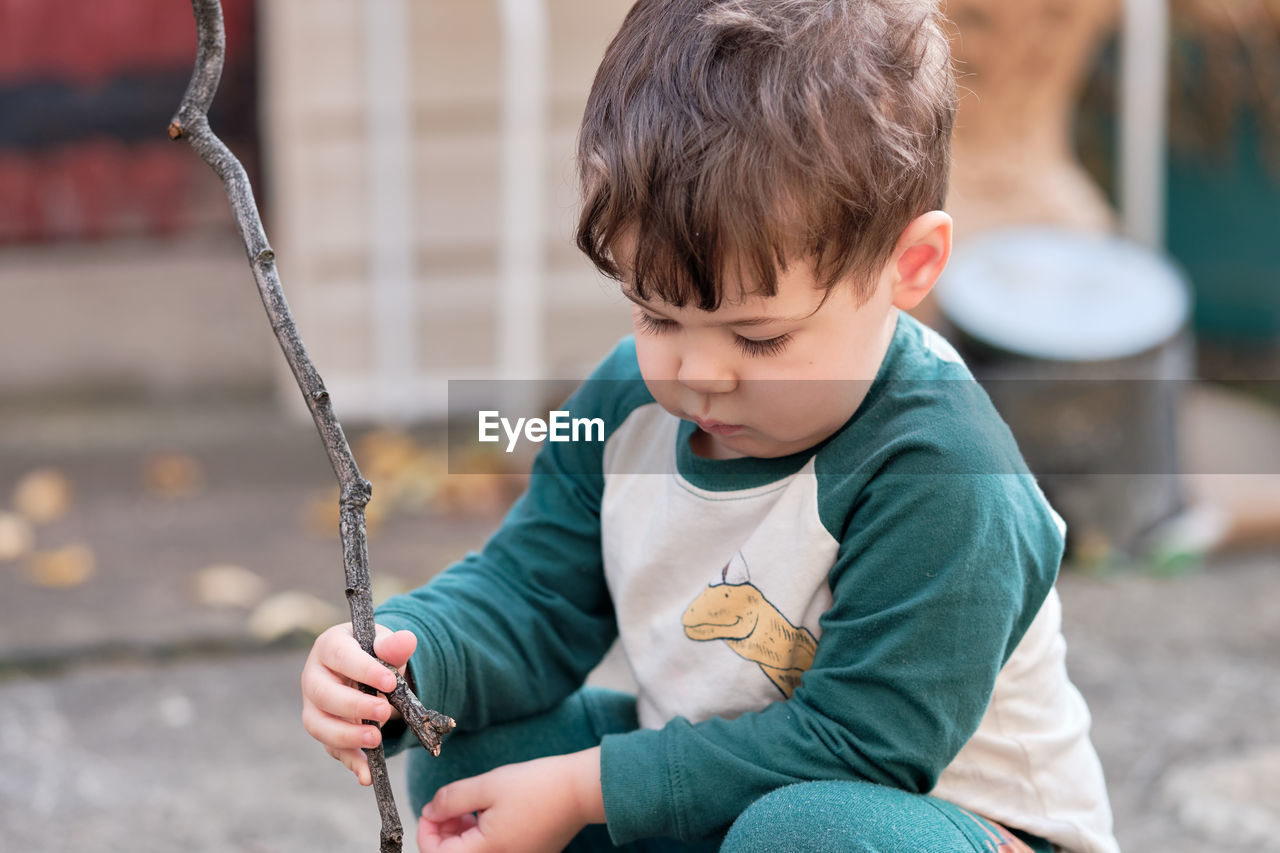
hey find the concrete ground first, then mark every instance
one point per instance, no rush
(135, 715)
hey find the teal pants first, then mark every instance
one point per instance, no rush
(808, 817)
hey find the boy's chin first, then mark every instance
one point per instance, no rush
(772, 446)
(709, 446)
(745, 444)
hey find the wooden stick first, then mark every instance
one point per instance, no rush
(191, 122)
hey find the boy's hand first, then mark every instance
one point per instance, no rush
(333, 707)
(534, 807)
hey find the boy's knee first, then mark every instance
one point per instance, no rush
(818, 817)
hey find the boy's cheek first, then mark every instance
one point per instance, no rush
(653, 361)
(659, 373)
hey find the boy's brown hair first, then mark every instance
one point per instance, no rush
(725, 138)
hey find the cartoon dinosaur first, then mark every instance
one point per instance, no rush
(739, 614)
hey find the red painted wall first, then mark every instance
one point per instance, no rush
(87, 88)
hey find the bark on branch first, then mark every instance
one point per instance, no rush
(191, 122)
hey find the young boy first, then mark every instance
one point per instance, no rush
(815, 541)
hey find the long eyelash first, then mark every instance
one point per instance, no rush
(654, 324)
(772, 346)
(753, 348)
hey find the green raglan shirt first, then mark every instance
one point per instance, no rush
(855, 611)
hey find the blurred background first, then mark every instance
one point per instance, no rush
(168, 518)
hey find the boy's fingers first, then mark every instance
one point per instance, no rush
(355, 761)
(431, 836)
(348, 659)
(339, 733)
(457, 799)
(457, 834)
(347, 702)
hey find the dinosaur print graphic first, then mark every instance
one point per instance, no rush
(737, 612)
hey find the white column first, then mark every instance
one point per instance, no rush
(521, 252)
(1144, 87)
(389, 146)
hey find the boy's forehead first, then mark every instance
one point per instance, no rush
(796, 298)
(735, 282)
(733, 295)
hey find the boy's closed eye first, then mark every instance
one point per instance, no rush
(749, 346)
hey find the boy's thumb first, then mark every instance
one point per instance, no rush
(397, 648)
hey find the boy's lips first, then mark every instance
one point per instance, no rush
(716, 427)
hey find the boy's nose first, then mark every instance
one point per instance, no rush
(704, 376)
(709, 386)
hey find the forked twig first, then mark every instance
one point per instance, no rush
(191, 122)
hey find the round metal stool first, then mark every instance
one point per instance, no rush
(1080, 339)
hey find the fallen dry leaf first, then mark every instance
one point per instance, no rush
(61, 568)
(16, 537)
(384, 452)
(405, 476)
(320, 513)
(42, 495)
(481, 483)
(173, 475)
(228, 586)
(287, 612)
(482, 494)
(411, 479)
(416, 485)
(470, 494)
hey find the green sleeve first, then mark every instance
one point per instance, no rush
(514, 629)
(936, 580)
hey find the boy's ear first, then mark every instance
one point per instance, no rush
(918, 259)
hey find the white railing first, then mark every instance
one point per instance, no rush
(392, 267)
(521, 247)
(397, 389)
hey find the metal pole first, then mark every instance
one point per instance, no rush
(521, 253)
(1144, 88)
(389, 149)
